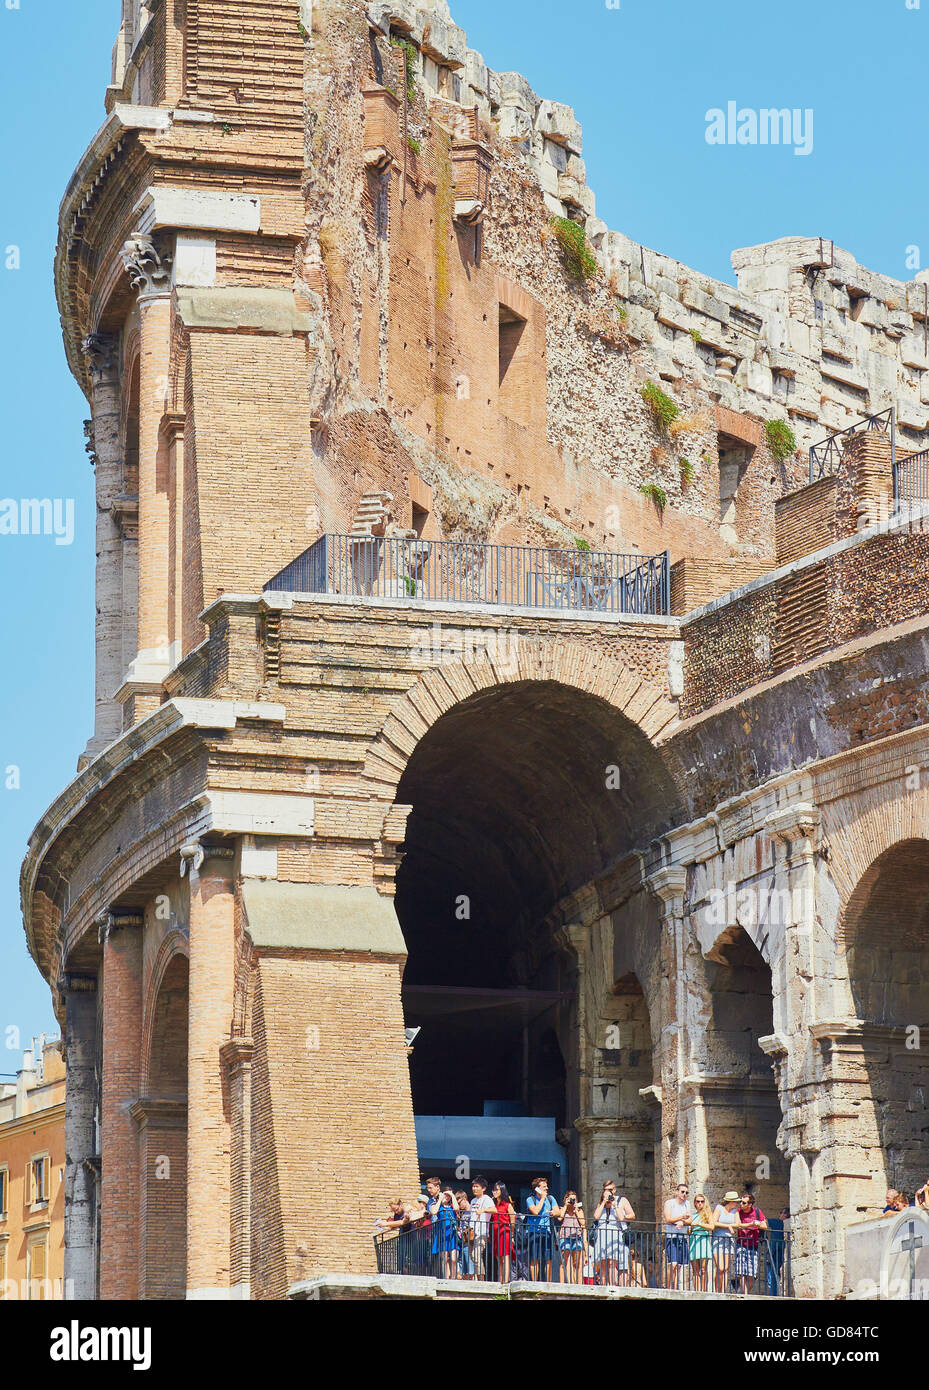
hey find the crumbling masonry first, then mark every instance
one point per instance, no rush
(313, 282)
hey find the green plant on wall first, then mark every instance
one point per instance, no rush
(409, 58)
(657, 493)
(782, 442)
(696, 335)
(579, 260)
(687, 472)
(416, 146)
(581, 543)
(664, 411)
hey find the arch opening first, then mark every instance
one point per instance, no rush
(739, 1093)
(886, 938)
(520, 796)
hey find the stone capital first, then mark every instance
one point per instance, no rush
(800, 825)
(102, 353)
(652, 1095)
(148, 267)
(237, 1055)
(574, 937)
(154, 1113)
(669, 885)
(172, 426)
(108, 923)
(69, 983)
(90, 443)
(195, 854)
(774, 1045)
(192, 857)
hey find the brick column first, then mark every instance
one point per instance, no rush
(102, 353)
(209, 1140)
(237, 1056)
(122, 1053)
(148, 270)
(80, 993)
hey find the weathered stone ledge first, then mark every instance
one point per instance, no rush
(334, 1288)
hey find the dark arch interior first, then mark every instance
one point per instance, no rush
(167, 1073)
(742, 1103)
(887, 938)
(131, 453)
(515, 804)
(886, 931)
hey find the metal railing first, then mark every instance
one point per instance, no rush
(640, 1254)
(911, 478)
(460, 572)
(825, 457)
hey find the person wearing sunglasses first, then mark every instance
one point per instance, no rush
(677, 1212)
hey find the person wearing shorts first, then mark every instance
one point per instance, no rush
(611, 1252)
(572, 1238)
(539, 1235)
(677, 1211)
(481, 1213)
(752, 1222)
(726, 1218)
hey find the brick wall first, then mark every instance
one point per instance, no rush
(697, 582)
(805, 613)
(805, 521)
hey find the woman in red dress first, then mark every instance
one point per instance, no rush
(503, 1219)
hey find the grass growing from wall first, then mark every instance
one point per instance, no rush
(579, 260)
(663, 410)
(782, 442)
(657, 494)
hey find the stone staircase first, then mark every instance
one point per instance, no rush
(373, 515)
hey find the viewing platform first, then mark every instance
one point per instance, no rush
(579, 580)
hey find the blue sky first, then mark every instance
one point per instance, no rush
(641, 79)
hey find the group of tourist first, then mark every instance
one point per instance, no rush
(454, 1235)
(897, 1200)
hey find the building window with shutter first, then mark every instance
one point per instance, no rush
(4, 1194)
(37, 1270)
(38, 1180)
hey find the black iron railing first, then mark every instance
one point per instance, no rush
(638, 1254)
(911, 478)
(825, 457)
(459, 572)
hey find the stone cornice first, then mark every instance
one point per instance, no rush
(158, 728)
(123, 121)
(745, 815)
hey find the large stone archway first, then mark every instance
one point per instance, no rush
(884, 936)
(518, 797)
